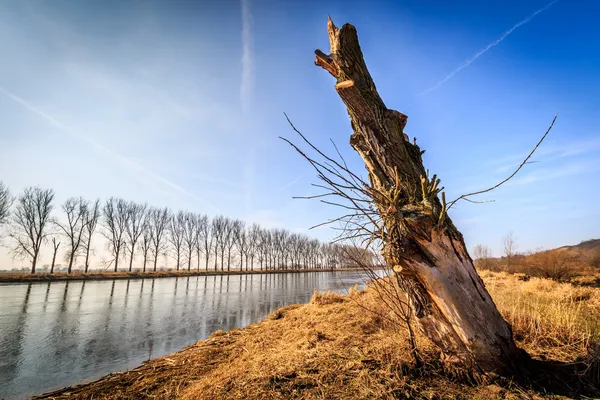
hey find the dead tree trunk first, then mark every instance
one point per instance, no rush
(55, 247)
(421, 244)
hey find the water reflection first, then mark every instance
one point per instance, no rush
(61, 333)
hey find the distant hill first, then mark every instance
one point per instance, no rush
(561, 263)
(579, 256)
(587, 247)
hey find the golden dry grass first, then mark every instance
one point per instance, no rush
(332, 348)
(550, 319)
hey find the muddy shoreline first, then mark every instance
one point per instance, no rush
(95, 276)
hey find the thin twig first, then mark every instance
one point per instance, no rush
(464, 196)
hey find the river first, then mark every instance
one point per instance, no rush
(58, 334)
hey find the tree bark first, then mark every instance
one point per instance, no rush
(71, 259)
(34, 262)
(53, 260)
(87, 258)
(117, 259)
(422, 245)
(130, 263)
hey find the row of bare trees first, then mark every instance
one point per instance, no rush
(135, 231)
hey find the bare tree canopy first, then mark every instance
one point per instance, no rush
(253, 235)
(241, 243)
(145, 242)
(91, 221)
(482, 255)
(510, 246)
(6, 201)
(219, 226)
(136, 219)
(29, 221)
(190, 236)
(134, 230)
(204, 239)
(176, 236)
(76, 211)
(116, 219)
(158, 223)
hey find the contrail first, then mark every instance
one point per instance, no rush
(489, 46)
(247, 56)
(101, 148)
(292, 183)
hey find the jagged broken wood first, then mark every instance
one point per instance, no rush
(420, 242)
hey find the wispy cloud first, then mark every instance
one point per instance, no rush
(293, 182)
(556, 172)
(247, 57)
(488, 47)
(551, 152)
(99, 148)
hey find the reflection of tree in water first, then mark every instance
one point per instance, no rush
(106, 344)
(81, 295)
(46, 297)
(156, 318)
(11, 344)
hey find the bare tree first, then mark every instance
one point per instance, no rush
(6, 201)
(229, 238)
(253, 235)
(190, 236)
(240, 239)
(55, 246)
(302, 252)
(91, 221)
(482, 256)
(29, 221)
(76, 210)
(278, 238)
(400, 208)
(262, 247)
(145, 242)
(136, 219)
(116, 219)
(158, 221)
(294, 245)
(269, 243)
(205, 239)
(510, 246)
(176, 235)
(219, 226)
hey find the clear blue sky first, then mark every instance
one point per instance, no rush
(180, 103)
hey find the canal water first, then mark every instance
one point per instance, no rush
(58, 334)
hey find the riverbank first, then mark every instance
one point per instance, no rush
(334, 348)
(104, 275)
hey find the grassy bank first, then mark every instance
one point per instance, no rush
(94, 276)
(332, 348)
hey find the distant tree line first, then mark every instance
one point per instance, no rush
(560, 264)
(135, 231)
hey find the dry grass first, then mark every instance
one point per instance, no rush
(550, 319)
(332, 348)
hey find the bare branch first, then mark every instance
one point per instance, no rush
(464, 196)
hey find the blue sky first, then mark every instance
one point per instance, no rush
(180, 104)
